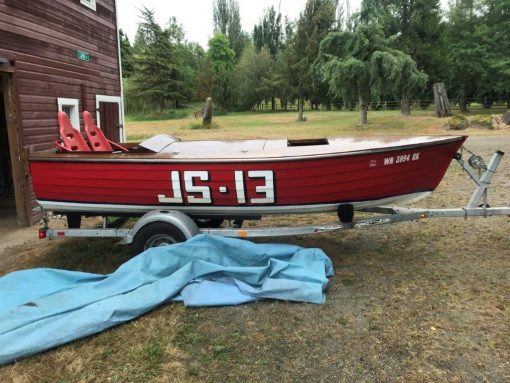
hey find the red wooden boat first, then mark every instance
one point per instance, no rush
(242, 178)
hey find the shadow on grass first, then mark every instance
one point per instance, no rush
(93, 255)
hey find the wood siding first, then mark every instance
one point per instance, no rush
(42, 39)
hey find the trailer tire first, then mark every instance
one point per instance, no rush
(73, 221)
(154, 235)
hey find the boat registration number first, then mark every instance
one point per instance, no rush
(196, 193)
(402, 158)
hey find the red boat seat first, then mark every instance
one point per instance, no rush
(98, 141)
(72, 140)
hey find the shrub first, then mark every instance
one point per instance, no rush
(199, 125)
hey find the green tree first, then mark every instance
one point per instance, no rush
(204, 78)
(253, 77)
(269, 32)
(496, 18)
(410, 82)
(158, 71)
(227, 20)
(416, 28)
(360, 65)
(283, 76)
(477, 34)
(223, 60)
(469, 46)
(126, 54)
(187, 58)
(285, 89)
(315, 22)
(394, 73)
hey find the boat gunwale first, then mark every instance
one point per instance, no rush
(50, 155)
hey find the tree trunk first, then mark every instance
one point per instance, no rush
(405, 105)
(463, 104)
(363, 111)
(300, 108)
(273, 102)
(441, 100)
(207, 119)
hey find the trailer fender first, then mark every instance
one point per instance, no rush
(184, 223)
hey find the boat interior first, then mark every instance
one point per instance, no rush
(165, 146)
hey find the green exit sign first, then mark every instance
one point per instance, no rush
(83, 56)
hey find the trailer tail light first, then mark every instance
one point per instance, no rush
(42, 233)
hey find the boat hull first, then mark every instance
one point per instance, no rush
(125, 185)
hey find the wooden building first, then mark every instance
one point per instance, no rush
(54, 55)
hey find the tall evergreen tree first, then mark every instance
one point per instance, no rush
(158, 71)
(204, 78)
(269, 32)
(126, 54)
(194, 57)
(227, 21)
(315, 22)
(187, 58)
(496, 18)
(469, 48)
(284, 76)
(285, 90)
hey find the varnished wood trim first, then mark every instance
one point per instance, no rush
(13, 132)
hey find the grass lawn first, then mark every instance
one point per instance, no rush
(285, 124)
(420, 301)
(245, 125)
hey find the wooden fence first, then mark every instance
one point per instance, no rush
(473, 105)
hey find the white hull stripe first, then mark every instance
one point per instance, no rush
(224, 210)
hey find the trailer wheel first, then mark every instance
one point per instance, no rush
(73, 221)
(154, 235)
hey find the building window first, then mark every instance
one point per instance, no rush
(71, 107)
(89, 3)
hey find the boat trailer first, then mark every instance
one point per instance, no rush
(162, 226)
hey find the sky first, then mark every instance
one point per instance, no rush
(196, 15)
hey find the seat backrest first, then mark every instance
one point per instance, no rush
(71, 138)
(97, 140)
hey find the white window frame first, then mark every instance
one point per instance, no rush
(118, 100)
(74, 116)
(89, 4)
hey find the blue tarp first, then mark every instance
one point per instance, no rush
(43, 308)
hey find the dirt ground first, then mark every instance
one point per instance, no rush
(424, 301)
(12, 236)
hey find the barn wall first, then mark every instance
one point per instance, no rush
(43, 37)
